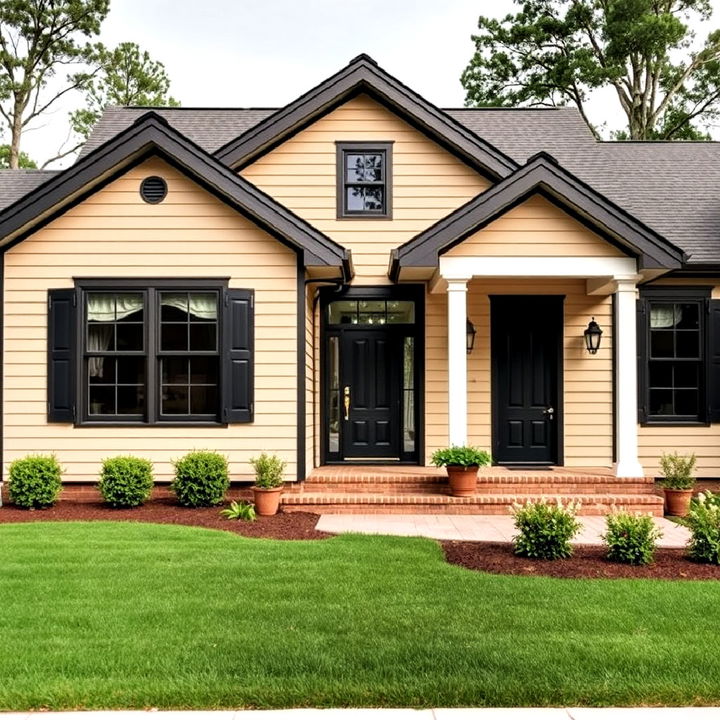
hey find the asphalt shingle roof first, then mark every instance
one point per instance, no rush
(672, 187)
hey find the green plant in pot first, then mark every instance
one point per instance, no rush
(269, 482)
(678, 482)
(462, 463)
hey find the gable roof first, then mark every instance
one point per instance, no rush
(151, 135)
(16, 183)
(364, 75)
(542, 174)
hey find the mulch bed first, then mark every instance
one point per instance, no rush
(290, 526)
(586, 562)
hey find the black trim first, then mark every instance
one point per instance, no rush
(62, 351)
(153, 189)
(384, 148)
(301, 370)
(151, 135)
(363, 76)
(413, 292)
(541, 174)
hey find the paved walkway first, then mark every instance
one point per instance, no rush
(388, 714)
(482, 528)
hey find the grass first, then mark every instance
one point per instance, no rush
(116, 615)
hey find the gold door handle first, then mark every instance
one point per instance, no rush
(346, 401)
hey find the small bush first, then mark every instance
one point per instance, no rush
(126, 481)
(462, 455)
(201, 479)
(35, 481)
(703, 521)
(631, 539)
(268, 471)
(678, 471)
(545, 530)
(239, 511)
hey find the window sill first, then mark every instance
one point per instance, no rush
(674, 423)
(137, 423)
(361, 216)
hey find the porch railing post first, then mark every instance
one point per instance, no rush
(457, 361)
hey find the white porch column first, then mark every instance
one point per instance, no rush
(627, 464)
(457, 361)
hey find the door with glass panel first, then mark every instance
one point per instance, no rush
(370, 381)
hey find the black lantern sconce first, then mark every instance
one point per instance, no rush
(471, 332)
(592, 334)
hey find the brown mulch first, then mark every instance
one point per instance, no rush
(283, 526)
(586, 562)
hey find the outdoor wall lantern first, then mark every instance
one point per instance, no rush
(592, 334)
(471, 332)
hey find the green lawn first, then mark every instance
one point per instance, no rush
(96, 615)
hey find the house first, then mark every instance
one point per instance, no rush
(361, 277)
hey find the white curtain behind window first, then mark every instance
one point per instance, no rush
(202, 305)
(106, 308)
(665, 316)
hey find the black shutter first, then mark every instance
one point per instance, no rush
(238, 356)
(714, 361)
(642, 360)
(61, 355)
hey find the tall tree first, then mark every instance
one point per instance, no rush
(37, 39)
(126, 76)
(24, 161)
(555, 52)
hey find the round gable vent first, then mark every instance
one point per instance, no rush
(153, 189)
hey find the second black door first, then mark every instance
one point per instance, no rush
(526, 336)
(370, 394)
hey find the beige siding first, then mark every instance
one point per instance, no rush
(535, 228)
(428, 182)
(114, 234)
(587, 394)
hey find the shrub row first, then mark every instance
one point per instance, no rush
(201, 480)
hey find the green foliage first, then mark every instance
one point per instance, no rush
(34, 481)
(268, 471)
(555, 52)
(37, 40)
(24, 160)
(126, 481)
(678, 471)
(464, 456)
(545, 530)
(126, 76)
(201, 479)
(239, 511)
(631, 539)
(703, 521)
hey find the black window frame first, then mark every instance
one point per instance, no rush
(344, 148)
(151, 289)
(671, 295)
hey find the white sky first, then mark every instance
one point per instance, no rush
(264, 53)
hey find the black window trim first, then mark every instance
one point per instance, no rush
(674, 294)
(344, 146)
(149, 286)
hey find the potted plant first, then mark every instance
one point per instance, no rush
(462, 463)
(268, 483)
(678, 481)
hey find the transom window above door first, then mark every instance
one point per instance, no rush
(364, 171)
(371, 312)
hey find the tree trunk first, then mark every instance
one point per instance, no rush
(16, 133)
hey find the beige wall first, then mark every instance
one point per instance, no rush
(587, 397)
(428, 182)
(115, 234)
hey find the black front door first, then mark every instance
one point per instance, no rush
(526, 342)
(371, 374)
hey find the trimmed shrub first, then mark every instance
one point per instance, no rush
(545, 530)
(201, 479)
(126, 481)
(35, 481)
(703, 521)
(631, 539)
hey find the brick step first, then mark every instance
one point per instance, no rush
(591, 504)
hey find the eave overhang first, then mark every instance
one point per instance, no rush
(540, 175)
(149, 136)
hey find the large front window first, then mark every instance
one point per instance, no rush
(151, 353)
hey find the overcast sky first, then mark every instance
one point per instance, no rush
(264, 53)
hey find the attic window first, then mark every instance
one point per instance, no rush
(153, 189)
(364, 187)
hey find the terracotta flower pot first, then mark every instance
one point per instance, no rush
(677, 502)
(267, 500)
(463, 480)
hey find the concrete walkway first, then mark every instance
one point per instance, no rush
(478, 528)
(387, 714)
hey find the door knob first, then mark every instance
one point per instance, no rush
(346, 401)
(550, 412)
